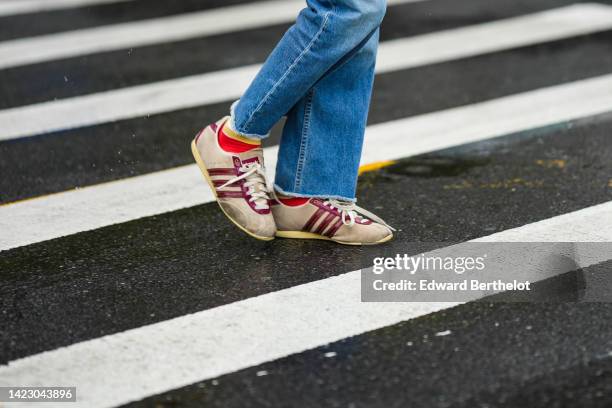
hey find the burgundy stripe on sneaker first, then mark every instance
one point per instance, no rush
(325, 223)
(198, 135)
(313, 220)
(221, 172)
(332, 231)
(219, 183)
(229, 194)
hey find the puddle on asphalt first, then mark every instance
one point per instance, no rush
(432, 167)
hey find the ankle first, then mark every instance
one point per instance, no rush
(233, 142)
(291, 201)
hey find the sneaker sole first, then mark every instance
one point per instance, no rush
(200, 163)
(312, 235)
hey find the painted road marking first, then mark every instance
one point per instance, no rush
(152, 31)
(70, 212)
(191, 348)
(226, 85)
(14, 7)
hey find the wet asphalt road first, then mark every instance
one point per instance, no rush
(556, 353)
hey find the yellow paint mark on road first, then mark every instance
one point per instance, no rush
(552, 163)
(375, 166)
(610, 183)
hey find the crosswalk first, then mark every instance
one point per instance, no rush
(117, 274)
(168, 190)
(138, 34)
(227, 85)
(224, 348)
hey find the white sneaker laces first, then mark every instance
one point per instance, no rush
(256, 182)
(349, 211)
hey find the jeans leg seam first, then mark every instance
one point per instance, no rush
(297, 184)
(289, 70)
(346, 60)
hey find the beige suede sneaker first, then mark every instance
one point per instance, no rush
(238, 182)
(333, 220)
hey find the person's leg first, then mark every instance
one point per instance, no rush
(319, 158)
(322, 139)
(329, 37)
(324, 33)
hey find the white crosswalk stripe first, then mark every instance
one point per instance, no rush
(227, 85)
(178, 352)
(15, 7)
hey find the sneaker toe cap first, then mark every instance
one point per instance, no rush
(364, 234)
(260, 225)
(264, 227)
(379, 233)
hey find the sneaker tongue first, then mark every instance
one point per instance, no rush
(253, 156)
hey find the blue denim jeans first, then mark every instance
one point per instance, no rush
(320, 76)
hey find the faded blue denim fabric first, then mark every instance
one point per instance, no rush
(320, 76)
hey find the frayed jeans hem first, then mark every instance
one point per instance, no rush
(232, 125)
(323, 197)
